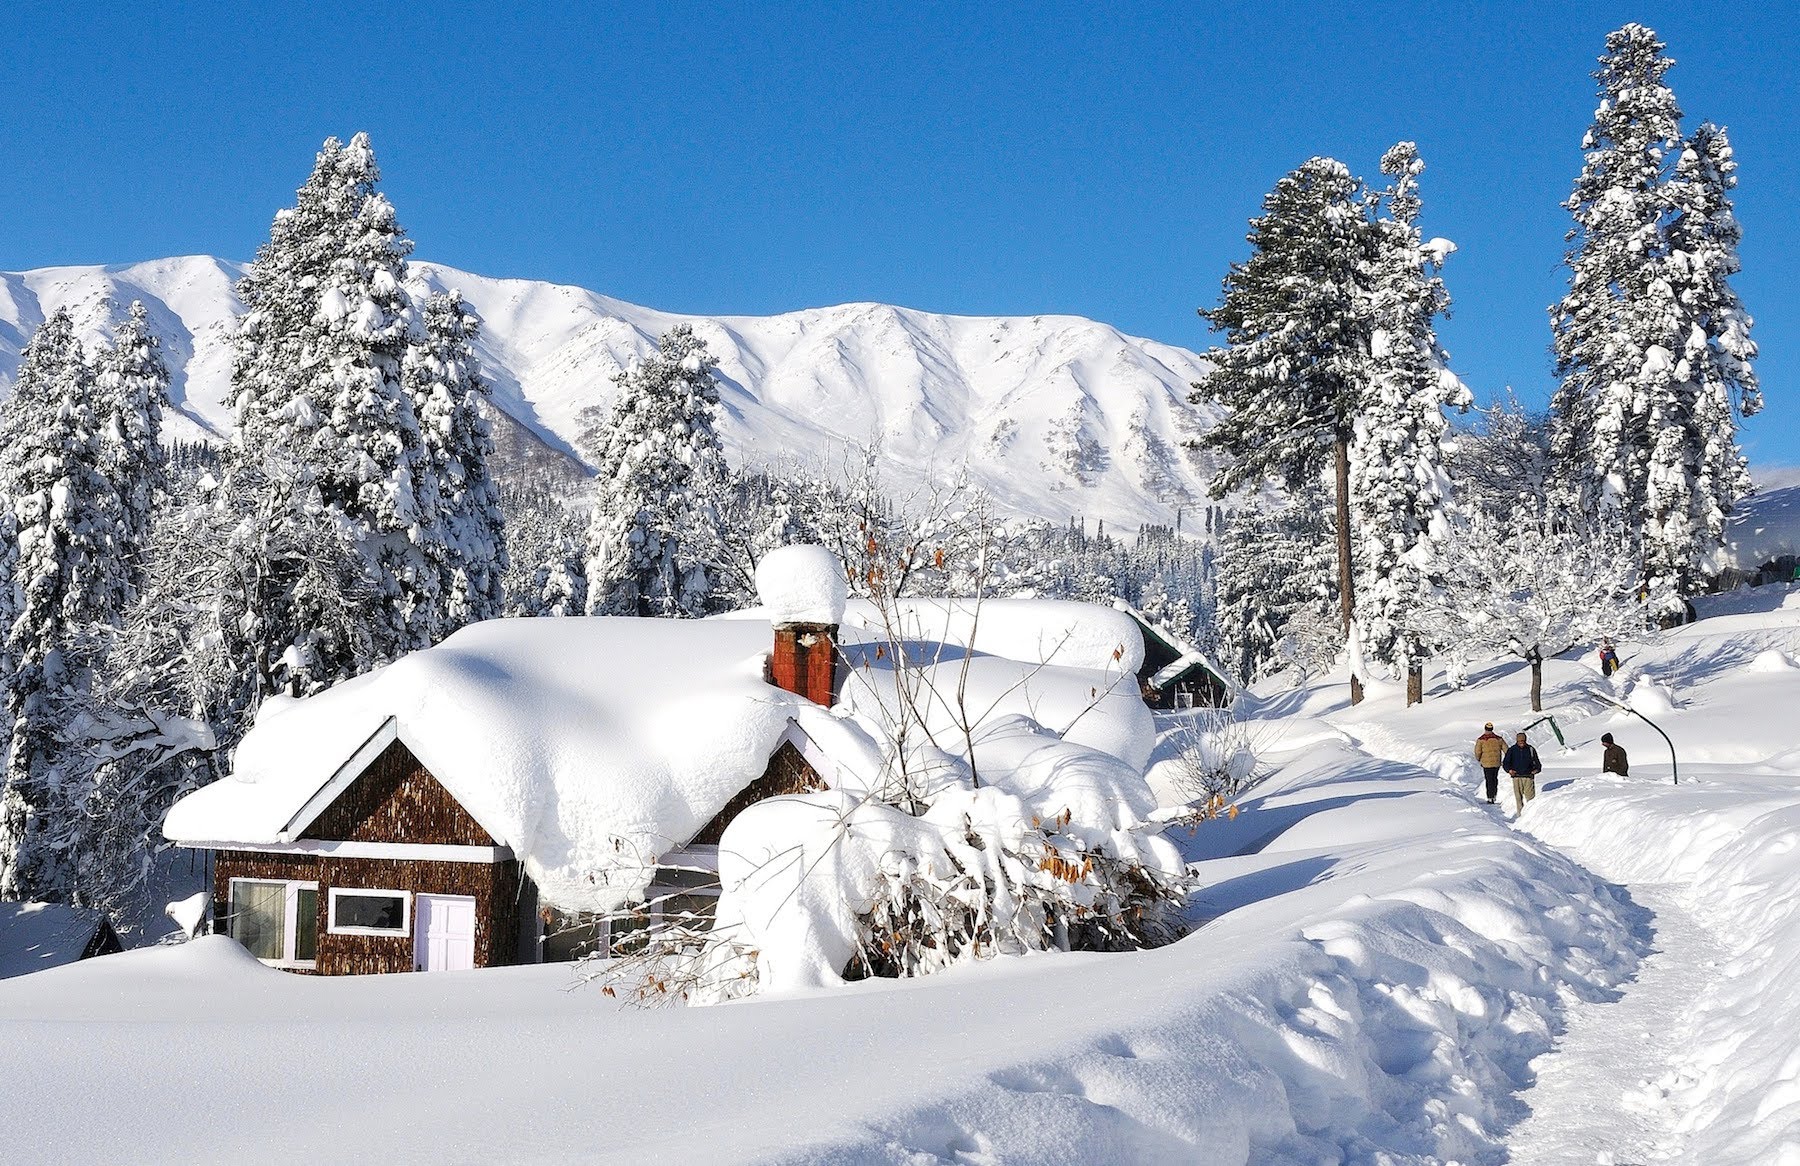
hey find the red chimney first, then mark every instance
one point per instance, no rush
(804, 661)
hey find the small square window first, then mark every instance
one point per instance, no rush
(359, 912)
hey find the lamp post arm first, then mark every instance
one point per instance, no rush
(1674, 765)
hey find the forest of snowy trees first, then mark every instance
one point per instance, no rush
(1518, 535)
(1366, 511)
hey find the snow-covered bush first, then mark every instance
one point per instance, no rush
(1053, 850)
(1219, 757)
(979, 805)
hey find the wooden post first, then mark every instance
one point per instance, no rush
(1415, 683)
(1346, 576)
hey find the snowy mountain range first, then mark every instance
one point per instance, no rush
(1054, 416)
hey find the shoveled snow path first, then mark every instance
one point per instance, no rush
(1595, 1099)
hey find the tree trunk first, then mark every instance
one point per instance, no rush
(1415, 684)
(1537, 682)
(1346, 576)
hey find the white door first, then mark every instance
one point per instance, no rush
(443, 933)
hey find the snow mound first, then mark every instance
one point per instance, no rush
(1772, 661)
(801, 584)
(1650, 697)
(799, 873)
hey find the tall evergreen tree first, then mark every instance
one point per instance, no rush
(661, 470)
(1297, 357)
(326, 426)
(68, 574)
(1398, 485)
(133, 387)
(1698, 483)
(1612, 329)
(468, 538)
(1652, 345)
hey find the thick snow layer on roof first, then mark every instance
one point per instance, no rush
(589, 746)
(801, 584)
(36, 936)
(1033, 631)
(1766, 527)
(950, 690)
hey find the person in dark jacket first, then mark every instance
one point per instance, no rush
(1521, 761)
(1612, 757)
(1609, 658)
(1489, 748)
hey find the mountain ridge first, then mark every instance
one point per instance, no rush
(1056, 416)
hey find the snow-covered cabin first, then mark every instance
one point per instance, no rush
(37, 936)
(1174, 673)
(450, 809)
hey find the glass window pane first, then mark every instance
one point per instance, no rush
(306, 925)
(368, 909)
(259, 918)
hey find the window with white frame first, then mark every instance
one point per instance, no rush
(367, 912)
(276, 920)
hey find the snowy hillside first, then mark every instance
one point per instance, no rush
(1386, 969)
(1054, 415)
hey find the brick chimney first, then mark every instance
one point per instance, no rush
(804, 661)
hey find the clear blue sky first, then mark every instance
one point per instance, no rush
(1097, 159)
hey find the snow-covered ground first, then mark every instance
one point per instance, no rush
(1388, 970)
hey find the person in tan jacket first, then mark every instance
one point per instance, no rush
(1489, 749)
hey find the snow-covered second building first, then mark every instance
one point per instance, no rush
(526, 776)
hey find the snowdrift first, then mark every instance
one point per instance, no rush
(1732, 843)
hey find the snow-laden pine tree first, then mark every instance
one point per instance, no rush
(1613, 328)
(1297, 358)
(328, 451)
(132, 388)
(1399, 490)
(1273, 566)
(660, 472)
(467, 540)
(546, 546)
(1652, 344)
(68, 574)
(1698, 475)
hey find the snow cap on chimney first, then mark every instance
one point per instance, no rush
(802, 585)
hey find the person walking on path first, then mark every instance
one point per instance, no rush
(1612, 756)
(1489, 749)
(1609, 658)
(1522, 762)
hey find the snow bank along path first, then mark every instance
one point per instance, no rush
(1727, 845)
(1383, 962)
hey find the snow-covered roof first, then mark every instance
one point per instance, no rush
(588, 746)
(1187, 656)
(37, 936)
(1033, 631)
(1766, 527)
(592, 746)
